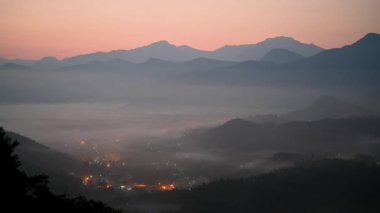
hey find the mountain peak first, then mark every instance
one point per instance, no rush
(281, 39)
(369, 39)
(372, 35)
(161, 43)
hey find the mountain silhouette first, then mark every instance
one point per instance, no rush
(328, 185)
(22, 192)
(363, 54)
(339, 135)
(259, 50)
(27, 63)
(281, 56)
(328, 107)
(47, 63)
(165, 51)
(352, 66)
(14, 66)
(40, 159)
(39, 156)
(160, 50)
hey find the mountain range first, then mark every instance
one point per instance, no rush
(355, 65)
(362, 54)
(352, 68)
(328, 125)
(328, 107)
(343, 135)
(329, 185)
(165, 51)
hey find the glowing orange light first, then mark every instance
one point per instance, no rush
(82, 142)
(139, 185)
(107, 186)
(86, 180)
(166, 187)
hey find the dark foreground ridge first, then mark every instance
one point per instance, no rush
(22, 193)
(330, 185)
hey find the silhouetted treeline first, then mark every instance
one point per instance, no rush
(21, 193)
(332, 185)
(352, 134)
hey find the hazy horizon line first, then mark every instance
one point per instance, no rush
(180, 45)
(163, 40)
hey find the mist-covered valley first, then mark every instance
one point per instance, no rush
(115, 127)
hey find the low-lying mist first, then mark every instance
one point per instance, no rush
(67, 106)
(150, 129)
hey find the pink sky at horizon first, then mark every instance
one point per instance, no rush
(32, 29)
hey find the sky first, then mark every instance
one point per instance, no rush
(32, 29)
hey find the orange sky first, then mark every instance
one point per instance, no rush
(31, 29)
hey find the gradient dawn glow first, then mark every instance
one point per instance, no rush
(31, 29)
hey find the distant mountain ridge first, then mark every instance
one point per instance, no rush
(259, 50)
(363, 54)
(161, 50)
(327, 124)
(14, 66)
(328, 107)
(355, 65)
(166, 51)
(281, 56)
(332, 135)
